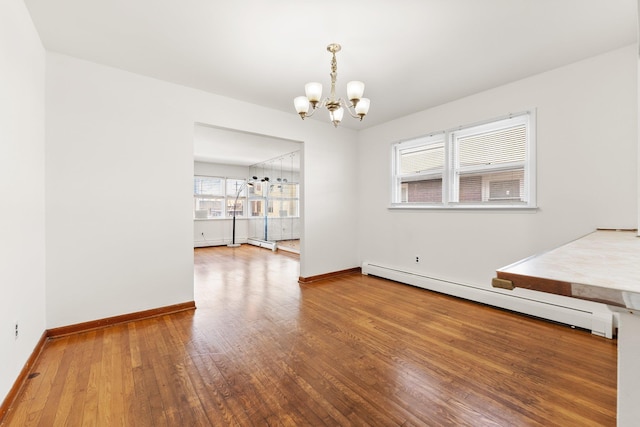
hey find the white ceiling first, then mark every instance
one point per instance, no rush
(411, 54)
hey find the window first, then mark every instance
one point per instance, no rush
(487, 165)
(420, 164)
(236, 197)
(208, 197)
(215, 197)
(274, 199)
(257, 199)
(283, 200)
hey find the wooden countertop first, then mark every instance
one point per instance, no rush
(603, 266)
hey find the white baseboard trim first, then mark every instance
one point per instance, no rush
(215, 242)
(596, 317)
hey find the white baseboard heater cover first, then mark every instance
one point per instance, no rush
(596, 317)
(263, 243)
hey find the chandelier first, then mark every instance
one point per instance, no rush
(357, 107)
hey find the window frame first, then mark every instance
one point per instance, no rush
(415, 145)
(451, 173)
(266, 196)
(225, 197)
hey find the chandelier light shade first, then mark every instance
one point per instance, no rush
(357, 106)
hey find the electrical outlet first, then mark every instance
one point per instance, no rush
(15, 328)
(417, 259)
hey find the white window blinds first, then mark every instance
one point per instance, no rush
(502, 146)
(422, 159)
(234, 186)
(208, 186)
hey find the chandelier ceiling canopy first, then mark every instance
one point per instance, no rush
(357, 106)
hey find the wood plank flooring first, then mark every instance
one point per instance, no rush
(262, 350)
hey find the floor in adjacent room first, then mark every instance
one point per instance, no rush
(261, 349)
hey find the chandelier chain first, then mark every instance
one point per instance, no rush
(334, 76)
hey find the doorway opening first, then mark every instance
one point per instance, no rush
(247, 189)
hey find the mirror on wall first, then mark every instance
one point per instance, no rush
(274, 203)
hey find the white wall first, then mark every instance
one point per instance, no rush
(119, 196)
(22, 209)
(217, 169)
(586, 175)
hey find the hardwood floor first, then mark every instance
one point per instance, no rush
(356, 350)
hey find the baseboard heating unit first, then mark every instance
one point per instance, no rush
(263, 243)
(593, 316)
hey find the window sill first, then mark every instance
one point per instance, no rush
(402, 207)
(244, 218)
